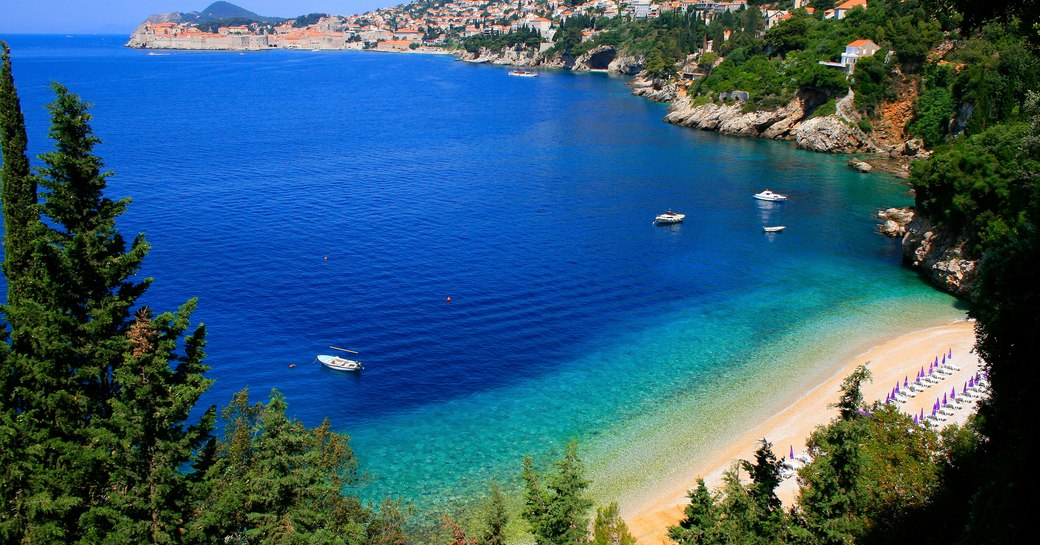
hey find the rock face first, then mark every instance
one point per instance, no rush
(832, 135)
(729, 118)
(835, 133)
(939, 256)
(894, 221)
(602, 58)
(654, 89)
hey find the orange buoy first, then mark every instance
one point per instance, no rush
(292, 365)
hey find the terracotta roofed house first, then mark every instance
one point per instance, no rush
(857, 50)
(842, 9)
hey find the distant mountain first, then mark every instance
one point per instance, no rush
(215, 12)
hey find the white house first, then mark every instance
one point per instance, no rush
(853, 52)
(842, 9)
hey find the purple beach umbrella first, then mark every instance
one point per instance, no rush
(950, 354)
(936, 362)
(944, 359)
(791, 455)
(915, 419)
(906, 381)
(944, 399)
(971, 382)
(953, 392)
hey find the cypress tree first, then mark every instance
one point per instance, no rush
(18, 185)
(18, 196)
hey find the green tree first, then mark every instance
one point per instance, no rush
(19, 195)
(1007, 330)
(151, 499)
(609, 528)
(496, 518)
(18, 185)
(702, 519)
(851, 401)
(273, 480)
(87, 388)
(557, 511)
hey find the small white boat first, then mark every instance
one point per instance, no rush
(523, 74)
(774, 229)
(669, 217)
(338, 363)
(768, 195)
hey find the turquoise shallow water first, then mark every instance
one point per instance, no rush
(529, 202)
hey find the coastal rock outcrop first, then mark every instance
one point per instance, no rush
(832, 135)
(860, 166)
(730, 117)
(940, 256)
(894, 221)
(654, 89)
(626, 64)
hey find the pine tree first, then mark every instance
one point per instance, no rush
(701, 523)
(558, 512)
(609, 528)
(273, 480)
(99, 440)
(496, 519)
(151, 497)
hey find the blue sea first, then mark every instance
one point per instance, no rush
(311, 199)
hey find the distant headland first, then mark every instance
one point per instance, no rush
(415, 27)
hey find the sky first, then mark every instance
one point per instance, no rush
(122, 16)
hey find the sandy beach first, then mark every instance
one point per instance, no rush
(889, 363)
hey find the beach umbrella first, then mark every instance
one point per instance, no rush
(934, 410)
(944, 399)
(792, 452)
(922, 413)
(971, 382)
(944, 359)
(906, 381)
(950, 354)
(915, 419)
(888, 398)
(936, 362)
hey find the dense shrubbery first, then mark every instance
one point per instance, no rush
(521, 37)
(873, 471)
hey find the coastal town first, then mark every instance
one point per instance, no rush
(432, 27)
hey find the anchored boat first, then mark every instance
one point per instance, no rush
(338, 363)
(768, 195)
(668, 218)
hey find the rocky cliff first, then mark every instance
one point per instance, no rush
(836, 133)
(604, 57)
(940, 256)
